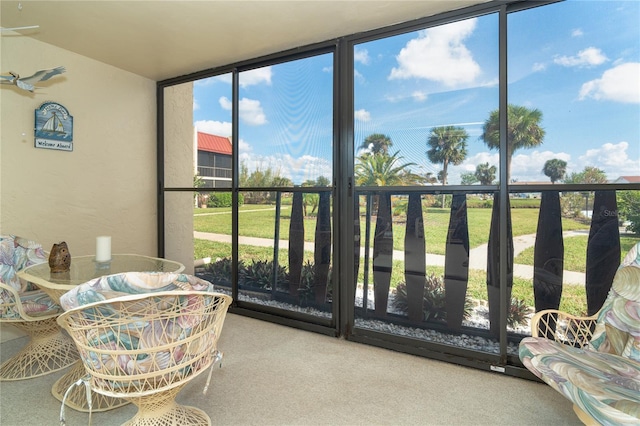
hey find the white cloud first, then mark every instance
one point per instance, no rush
(469, 166)
(362, 56)
(195, 104)
(362, 115)
(250, 110)
(357, 76)
(298, 169)
(577, 33)
(439, 54)
(255, 76)
(245, 147)
(619, 84)
(225, 103)
(528, 167)
(538, 66)
(419, 96)
(611, 158)
(327, 69)
(219, 128)
(588, 57)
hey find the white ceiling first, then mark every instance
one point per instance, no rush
(165, 39)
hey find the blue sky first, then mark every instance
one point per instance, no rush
(578, 62)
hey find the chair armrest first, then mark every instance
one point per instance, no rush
(31, 305)
(563, 327)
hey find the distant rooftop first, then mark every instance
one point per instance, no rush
(628, 179)
(214, 143)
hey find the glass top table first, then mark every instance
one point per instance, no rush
(85, 268)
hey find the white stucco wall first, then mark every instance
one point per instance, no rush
(107, 185)
(179, 171)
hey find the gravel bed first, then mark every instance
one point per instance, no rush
(479, 319)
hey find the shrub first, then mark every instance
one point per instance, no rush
(223, 199)
(221, 271)
(307, 277)
(433, 302)
(260, 274)
(518, 312)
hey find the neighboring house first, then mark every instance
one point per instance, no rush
(627, 179)
(214, 160)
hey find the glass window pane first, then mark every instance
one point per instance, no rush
(422, 99)
(286, 123)
(580, 75)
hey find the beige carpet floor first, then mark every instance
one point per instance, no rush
(276, 375)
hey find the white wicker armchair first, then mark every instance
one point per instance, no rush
(29, 309)
(146, 347)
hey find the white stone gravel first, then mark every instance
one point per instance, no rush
(479, 319)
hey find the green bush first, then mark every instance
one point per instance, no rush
(433, 302)
(223, 199)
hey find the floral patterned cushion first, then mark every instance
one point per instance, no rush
(17, 253)
(603, 379)
(143, 343)
(603, 385)
(116, 285)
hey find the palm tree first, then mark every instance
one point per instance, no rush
(485, 174)
(448, 145)
(377, 143)
(555, 169)
(523, 130)
(384, 170)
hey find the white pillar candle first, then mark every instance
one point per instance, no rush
(103, 249)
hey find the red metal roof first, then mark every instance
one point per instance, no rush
(214, 143)
(630, 179)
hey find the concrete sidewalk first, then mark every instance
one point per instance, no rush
(477, 256)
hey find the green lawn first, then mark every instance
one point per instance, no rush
(261, 224)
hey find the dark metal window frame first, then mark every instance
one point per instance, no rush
(342, 323)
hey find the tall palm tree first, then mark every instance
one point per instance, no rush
(555, 169)
(377, 143)
(523, 130)
(448, 145)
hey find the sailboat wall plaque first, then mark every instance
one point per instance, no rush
(53, 127)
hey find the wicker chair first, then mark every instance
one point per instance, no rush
(147, 345)
(593, 361)
(29, 309)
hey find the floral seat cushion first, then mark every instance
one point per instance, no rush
(16, 253)
(606, 386)
(141, 344)
(117, 285)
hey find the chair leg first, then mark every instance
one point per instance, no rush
(162, 409)
(77, 398)
(48, 350)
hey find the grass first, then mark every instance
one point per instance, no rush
(261, 224)
(575, 252)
